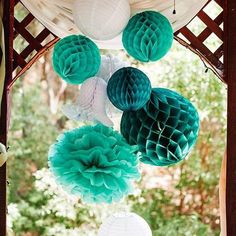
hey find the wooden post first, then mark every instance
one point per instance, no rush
(230, 73)
(8, 21)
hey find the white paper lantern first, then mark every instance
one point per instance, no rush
(91, 103)
(101, 19)
(125, 224)
(3, 154)
(109, 65)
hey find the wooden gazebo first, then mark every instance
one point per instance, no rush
(222, 61)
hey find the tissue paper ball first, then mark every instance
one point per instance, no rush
(129, 89)
(95, 163)
(101, 19)
(76, 58)
(165, 129)
(125, 224)
(148, 36)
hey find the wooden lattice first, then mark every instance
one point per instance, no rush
(208, 41)
(33, 45)
(196, 40)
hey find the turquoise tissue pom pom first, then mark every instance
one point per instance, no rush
(95, 163)
(148, 36)
(76, 58)
(129, 89)
(165, 129)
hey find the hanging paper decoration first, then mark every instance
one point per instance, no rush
(125, 224)
(3, 154)
(129, 89)
(76, 58)
(109, 65)
(101, 19)
(165, 129)
(148, 36)
(95, 163)
(91, 103)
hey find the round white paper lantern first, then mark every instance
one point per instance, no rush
(125, 224)
(101, 19)
(3, 154)
(109, 65)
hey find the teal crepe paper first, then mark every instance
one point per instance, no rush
(95, 163)
(129, 89)
(76, 58)
(165, 129)
(148, 36)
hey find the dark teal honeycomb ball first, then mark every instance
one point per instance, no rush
(129, 89)
(76, 58)
(165, 129)
(148, 36)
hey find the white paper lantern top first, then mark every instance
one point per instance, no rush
(125, 224)
(101, 19)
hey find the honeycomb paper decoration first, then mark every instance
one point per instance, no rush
(94, 163)
(101, 19)
(148, 36)
(109, 65)
(125, 224)
(91, 103)
(76, 58)
(165, 129)
(129, 89)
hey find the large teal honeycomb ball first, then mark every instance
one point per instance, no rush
(129, 89)
(148, 36)
(165, 129)
(76, 58)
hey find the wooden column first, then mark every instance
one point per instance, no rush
(230, 73)
(8, 21)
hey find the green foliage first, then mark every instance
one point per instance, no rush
(177, 201)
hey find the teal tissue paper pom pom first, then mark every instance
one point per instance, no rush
(165, 129)
(95, 163)
(129, 89)
(148, 36)
(76, 58)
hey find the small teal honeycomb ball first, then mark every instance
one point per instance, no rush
(129, 89)
(76, 58)
(148, 36)
(165, 129)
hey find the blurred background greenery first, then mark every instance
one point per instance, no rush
(175, 201)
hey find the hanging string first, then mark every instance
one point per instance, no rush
(174, 11)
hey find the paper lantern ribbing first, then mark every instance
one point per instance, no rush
(91, 103)
(165, 129)
(76, 58)
(95, 163)
(125, 224)
(129, 89)
(101, 19)
(148, 36)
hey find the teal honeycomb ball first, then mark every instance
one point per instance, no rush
(148, 36)
(129, 89)
(76, 58)
(165, 129)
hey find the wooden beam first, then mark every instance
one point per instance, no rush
(230, 74)
(8, 20)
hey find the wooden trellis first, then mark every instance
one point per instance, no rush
(221, 59)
